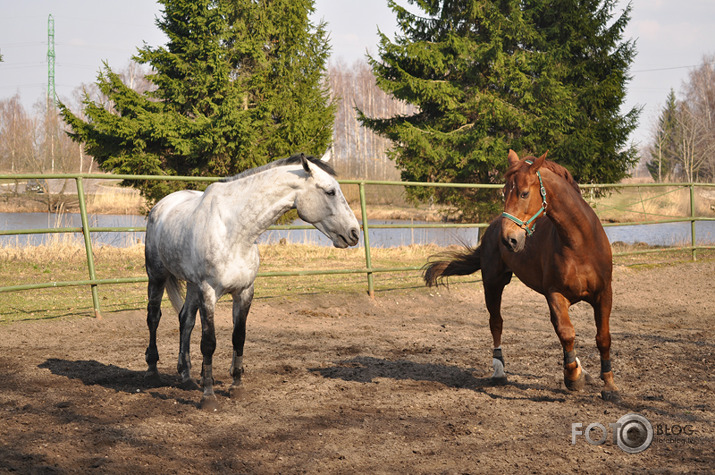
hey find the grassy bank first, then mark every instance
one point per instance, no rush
(110, 200)
(630, 204)
(65, 260)
(652, 204)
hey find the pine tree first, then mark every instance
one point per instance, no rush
(238, 84)
(663, 150)
(489, 75)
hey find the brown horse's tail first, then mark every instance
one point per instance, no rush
(463, 262)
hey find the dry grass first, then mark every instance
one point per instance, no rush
(64, 260)
(652, 204)
(116, 200)
(110, 200)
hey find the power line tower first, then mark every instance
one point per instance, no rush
(50, 62)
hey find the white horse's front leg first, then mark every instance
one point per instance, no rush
(241, 305)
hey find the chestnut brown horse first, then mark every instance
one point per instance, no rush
(553, 241)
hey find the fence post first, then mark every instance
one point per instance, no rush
(692, 221)
(88, 245)
(366, 240)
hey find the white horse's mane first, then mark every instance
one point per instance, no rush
(292, 160)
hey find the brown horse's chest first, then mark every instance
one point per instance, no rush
(571, 273)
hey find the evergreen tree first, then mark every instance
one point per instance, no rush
(238, 84)
(663, 150)
(489, 75)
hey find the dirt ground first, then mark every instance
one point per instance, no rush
(341, 383)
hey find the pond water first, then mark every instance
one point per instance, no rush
(667, 234)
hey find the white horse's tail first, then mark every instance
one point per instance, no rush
(175, 291)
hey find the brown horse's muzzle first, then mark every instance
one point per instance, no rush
(512, 236)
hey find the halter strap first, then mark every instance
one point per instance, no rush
(529, 226)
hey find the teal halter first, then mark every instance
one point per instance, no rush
(529, 226)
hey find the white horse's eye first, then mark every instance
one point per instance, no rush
(330, 192)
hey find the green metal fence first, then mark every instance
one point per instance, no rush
(368, 270)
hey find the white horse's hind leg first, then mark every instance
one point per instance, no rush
(187, 320)
(155, 290)
(208, 345)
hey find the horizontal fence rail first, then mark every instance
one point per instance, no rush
(368, 269)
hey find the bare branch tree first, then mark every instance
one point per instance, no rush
(697, 116)
(358, 151)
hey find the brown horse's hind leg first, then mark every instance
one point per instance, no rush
(602, 314)
(574, 376)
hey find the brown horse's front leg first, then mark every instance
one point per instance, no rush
(602, 314)
(574, 376)
(493, 297)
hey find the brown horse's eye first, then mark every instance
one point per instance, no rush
(524, 195)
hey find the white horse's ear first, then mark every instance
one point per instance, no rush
(304, 162)
(328, 155)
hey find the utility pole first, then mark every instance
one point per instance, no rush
(51, 95)
(50, 61)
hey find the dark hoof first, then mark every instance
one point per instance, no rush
(236, 392)
(189, 385)
(577, 385)
(611, 396)
(152, 379)
(209, 403)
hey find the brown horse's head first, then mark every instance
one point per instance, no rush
(524, 200)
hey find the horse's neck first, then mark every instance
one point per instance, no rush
(571, 215)
(250, 205)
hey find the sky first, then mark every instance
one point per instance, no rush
(672, 37)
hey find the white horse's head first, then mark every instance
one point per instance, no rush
(320, 202)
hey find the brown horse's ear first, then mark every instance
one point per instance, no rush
(513, 157)
(538, 163)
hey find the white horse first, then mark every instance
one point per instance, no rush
(208, 240)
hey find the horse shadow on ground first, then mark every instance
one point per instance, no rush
(94, 373)
(364, 369)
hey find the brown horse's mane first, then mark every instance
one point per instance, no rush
(549, 165)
